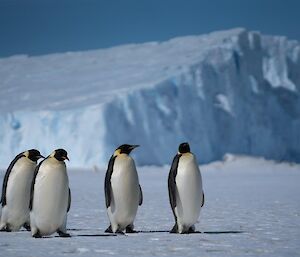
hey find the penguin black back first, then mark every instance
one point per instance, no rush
(107, 184)
(172, 182)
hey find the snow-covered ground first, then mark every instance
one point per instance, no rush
(252, 209)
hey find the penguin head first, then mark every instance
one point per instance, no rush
(184, 148)
(33, 155)
(125, 149)
(60, 155)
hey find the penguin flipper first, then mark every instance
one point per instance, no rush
(141, 195)
(4, 187)
(107, 182)
(172, 183)
(69, 200)
(32, 184)
(203, 199)
(5, 180)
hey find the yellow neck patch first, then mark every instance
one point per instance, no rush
(185, 154)
(117, 152)
(52, 154)
(26, 153)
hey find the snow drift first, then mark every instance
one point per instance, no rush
(231, 91)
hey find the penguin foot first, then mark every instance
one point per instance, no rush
(5, 229)
(27, 226)
(129, 229)
(174, 230)
(63, 234)
(120, 232)
(37, 235)
(109, 230)
(191, 230)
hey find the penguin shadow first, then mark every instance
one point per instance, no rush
(152, 231)
(223, 232)
(137, 232)
(93, 235)
(79, 235)
(87, 234)
(195, 232)
(79, 229)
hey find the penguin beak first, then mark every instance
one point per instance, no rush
(134, 146)
(41, 156)
(66, 158)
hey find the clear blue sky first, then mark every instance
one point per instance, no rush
(37, 27)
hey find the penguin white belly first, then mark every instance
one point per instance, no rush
(189, 192)
(16, 211)
(125, 192)
(51, 194)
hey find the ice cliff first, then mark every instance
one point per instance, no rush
(231, 91)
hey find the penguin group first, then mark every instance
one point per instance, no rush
(37, 196)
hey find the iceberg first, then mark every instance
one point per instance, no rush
(234, 91)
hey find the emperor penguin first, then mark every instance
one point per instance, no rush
(185, 190)
(50, 196)
(123, 193)
(16, 191)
